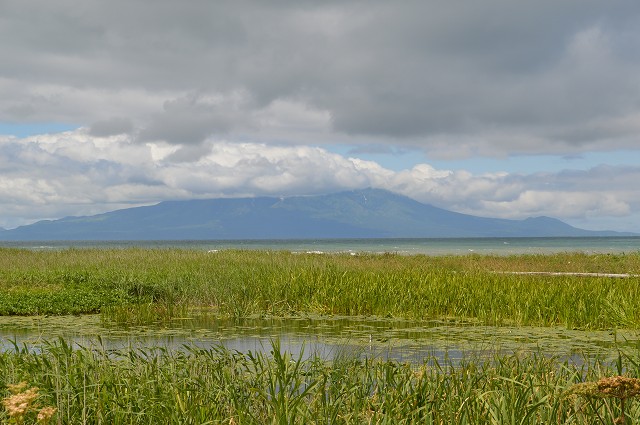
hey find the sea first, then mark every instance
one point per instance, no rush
(425, 246)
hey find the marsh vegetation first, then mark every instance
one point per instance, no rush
(198, 386)
(217, 385)
(139, 285)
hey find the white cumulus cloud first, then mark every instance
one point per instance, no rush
(76, 173)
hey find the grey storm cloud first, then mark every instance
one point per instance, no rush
(111, 127)
(507, 77)
(188, 121)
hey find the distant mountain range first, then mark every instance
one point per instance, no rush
(369, 213)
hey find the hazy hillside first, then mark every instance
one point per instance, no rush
(369, 213)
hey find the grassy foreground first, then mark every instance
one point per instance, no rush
(242, 283)
(70, 385)
(216, 386)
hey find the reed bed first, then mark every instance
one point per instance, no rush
(146, 285)
(216, 386)
(95, 384)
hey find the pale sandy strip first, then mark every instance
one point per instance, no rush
(575, 274)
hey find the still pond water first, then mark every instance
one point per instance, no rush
(328, 337)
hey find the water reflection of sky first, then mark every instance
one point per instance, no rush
(327, 337)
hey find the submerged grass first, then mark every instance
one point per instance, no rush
(218, 386)
(156, 284)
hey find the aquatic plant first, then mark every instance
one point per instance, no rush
(196, 385)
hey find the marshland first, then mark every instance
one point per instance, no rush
(499, 311)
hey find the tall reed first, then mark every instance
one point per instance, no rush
(193, 385)
(242, 283)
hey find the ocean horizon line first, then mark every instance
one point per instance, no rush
(488, 245)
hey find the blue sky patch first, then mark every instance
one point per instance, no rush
(32, 129)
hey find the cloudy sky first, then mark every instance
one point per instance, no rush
(495, 108)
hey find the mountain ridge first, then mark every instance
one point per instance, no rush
(365, 213)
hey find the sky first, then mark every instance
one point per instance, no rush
(495, 108)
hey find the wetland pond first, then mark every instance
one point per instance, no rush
(327, 336)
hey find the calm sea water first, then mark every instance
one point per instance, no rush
(456, 246)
